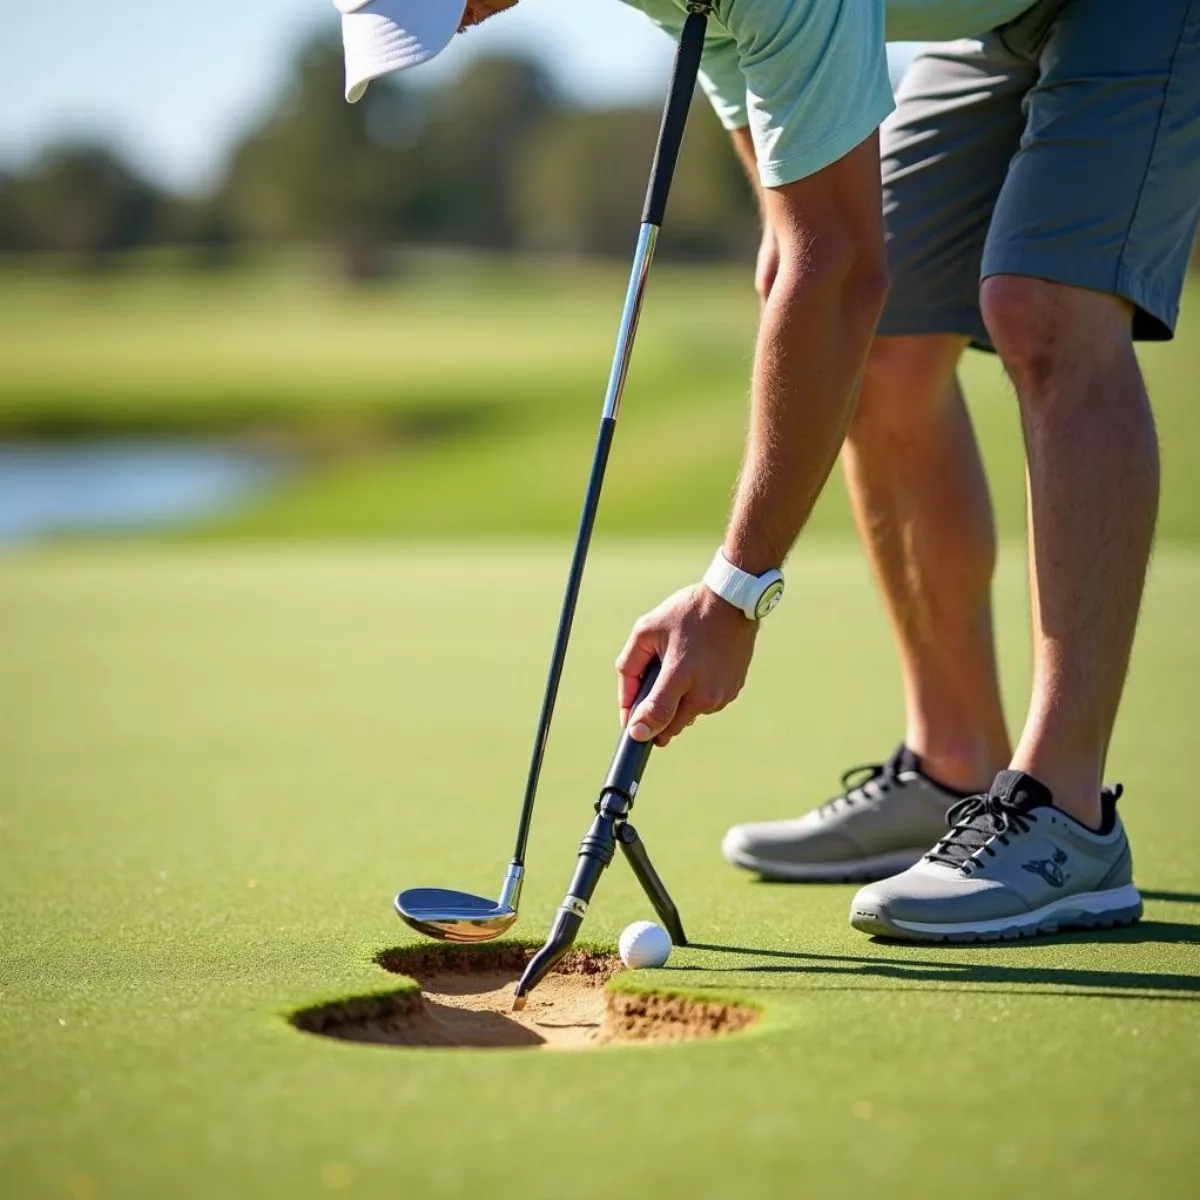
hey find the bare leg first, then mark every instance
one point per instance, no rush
(1093, 500)
(921, 502)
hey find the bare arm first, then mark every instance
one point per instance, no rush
(817, 323)
(816, 327)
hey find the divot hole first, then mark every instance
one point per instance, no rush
(466, 1001)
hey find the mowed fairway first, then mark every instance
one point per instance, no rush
(462, 398)
(217, 764)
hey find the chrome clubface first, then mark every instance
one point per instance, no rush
(460, 916)
(453, 916)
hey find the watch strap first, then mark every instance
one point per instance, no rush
(738, 587)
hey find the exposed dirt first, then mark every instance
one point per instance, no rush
(466, 1000)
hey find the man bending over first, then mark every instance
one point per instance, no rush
(1039, 197)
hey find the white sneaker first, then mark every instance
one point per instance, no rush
(1012, 866)
(876, 827)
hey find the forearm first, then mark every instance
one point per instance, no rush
(808, 364)
(816, 328)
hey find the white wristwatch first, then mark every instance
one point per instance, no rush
(755, 595)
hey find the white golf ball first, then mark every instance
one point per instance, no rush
(644, 944)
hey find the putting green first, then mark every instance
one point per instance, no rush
(217, 766)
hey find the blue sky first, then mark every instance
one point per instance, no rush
(171, 84)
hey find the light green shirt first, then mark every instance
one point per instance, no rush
(809, 77)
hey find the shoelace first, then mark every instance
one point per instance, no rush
(975, 822)
(874, 781)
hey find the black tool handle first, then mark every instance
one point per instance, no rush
(675, 115)
(608, 830)
(629, 762)
(595, 853)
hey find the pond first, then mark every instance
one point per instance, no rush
(49, 488)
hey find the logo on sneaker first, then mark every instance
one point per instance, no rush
(1050, 869)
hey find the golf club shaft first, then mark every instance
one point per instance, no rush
(683, 84)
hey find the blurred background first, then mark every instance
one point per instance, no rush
(232, 306)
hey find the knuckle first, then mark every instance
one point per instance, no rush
(714, 700)
(671, 682)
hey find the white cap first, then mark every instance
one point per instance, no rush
(381, 36)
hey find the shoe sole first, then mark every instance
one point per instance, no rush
(860, 870)
(1087, 910)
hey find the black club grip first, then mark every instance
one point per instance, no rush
(675, 115)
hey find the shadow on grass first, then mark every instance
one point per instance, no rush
(1171, 897)
(832, 885)
(860, 972)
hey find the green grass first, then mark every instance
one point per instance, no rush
(217, 764)
(463, 398)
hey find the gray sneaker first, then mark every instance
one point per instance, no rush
(1011, 866)
(876, 827)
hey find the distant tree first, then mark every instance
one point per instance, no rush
(713, 213)
(319, 169)
(400, 165)
(582, 180)
(493, 159)
(202, 226)
(82, 202)
(473, 144)
(10, 234)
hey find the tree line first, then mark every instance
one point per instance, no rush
(495, 160)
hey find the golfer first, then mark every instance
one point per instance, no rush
(1039, 196)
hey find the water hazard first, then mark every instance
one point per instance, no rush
(49, 488)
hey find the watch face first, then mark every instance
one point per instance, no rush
(768, 600)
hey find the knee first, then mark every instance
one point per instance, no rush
(1043, 330)
(1025, 325)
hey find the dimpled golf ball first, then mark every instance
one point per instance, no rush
(644, 944)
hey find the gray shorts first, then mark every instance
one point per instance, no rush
(1064, 146)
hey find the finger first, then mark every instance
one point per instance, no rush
(658, 710)
(685, 715)
(638, 654)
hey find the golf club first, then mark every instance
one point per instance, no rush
(460, 916)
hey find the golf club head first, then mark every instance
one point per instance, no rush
(452, 916)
